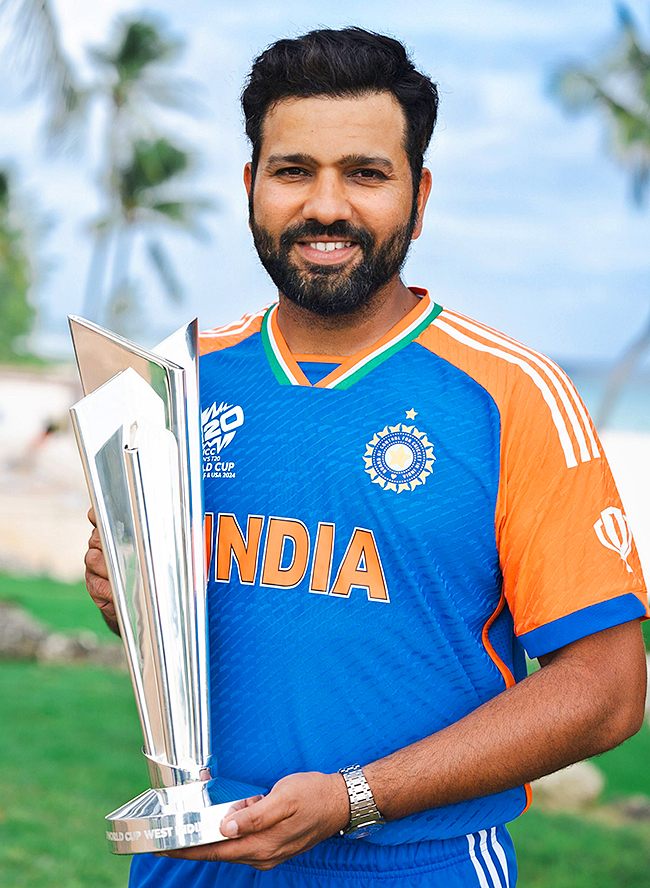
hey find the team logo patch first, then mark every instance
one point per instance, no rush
(613, 531)
(219, 424)
(399, 457)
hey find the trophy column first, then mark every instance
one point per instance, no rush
(138, 432)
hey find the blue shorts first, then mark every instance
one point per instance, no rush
(485, 859)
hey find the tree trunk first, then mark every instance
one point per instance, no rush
(95, 282)
(620, 374)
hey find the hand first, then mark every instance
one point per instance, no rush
(300, 811)
(97, 577)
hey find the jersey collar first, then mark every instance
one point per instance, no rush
(287, 371)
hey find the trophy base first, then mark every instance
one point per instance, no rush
(174, 817)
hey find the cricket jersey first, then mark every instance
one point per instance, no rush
(387, 542)
(387, 534)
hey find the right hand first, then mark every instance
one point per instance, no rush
(97, 577)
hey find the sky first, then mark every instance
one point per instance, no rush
(530, 226)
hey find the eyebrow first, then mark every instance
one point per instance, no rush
(364, 160)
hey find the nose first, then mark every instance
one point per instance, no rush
(327, 201)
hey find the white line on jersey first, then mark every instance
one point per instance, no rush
(500, 853)
(488, 859)
(529, 370)
(484, 852)
(477, 866)
(554, 374)
(237, 326)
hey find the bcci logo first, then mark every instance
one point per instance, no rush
(219, 425)
(399, 457)
(613, 531)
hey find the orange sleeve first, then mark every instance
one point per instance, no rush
(566, 549)
(569, 563)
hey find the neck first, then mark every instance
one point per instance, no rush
(311, 334)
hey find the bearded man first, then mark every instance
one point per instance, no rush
(400, 502)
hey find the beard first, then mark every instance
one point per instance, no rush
(331, 290)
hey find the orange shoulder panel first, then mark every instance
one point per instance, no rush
(564, 542)
(231, 334)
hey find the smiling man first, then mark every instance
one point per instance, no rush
(399, 502)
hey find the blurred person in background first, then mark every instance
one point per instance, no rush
(400, 503)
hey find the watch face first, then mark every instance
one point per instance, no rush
(367, 830)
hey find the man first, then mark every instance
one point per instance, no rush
(399, 501)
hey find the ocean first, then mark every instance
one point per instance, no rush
(632, 410)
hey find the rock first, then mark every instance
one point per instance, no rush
(22, 637)
(570, 789)
(637, 807)
(59, 648)
(81, 648)
(20, 633)
(109, 655)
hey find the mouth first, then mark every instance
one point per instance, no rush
(326, 252)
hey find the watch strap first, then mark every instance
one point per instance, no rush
(364, 814)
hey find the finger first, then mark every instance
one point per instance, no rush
(94, 541)
(246, 850)
(100, 592)
(95, 562)
(229, 850)
(242, 803)
(255, 817)
(91, 517)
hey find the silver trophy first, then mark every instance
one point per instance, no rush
(138, 432)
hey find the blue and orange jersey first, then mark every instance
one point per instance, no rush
(388, 533)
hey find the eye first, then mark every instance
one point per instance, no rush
(291, 173)
(369, 175)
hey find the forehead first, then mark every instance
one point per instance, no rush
(329, 127)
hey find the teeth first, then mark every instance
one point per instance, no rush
(328, 246)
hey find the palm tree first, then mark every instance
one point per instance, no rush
(43, 66)
(618, 86)
(140, 167)
(16, 273)
(147, 198)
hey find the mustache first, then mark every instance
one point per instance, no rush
(340, 229)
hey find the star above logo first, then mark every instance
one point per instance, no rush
(411, 414)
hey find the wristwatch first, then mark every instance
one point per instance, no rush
(365, 818)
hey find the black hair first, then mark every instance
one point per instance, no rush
(348, 62)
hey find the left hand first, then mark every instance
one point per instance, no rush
(300, 811)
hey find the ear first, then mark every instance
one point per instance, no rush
(423, 196)
(248, 178)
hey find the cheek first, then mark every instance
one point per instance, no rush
(273, 207)
(384, 216)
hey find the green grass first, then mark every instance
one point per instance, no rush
(646, 634)
(627, 768)
(65, 607)
(70, 746)
(562, 851)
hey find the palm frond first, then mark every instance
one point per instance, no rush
(44, 68)
(153, 164)
(4, 190)
(137, 44)
(574, 87)
(177, 93)
(163, 265)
